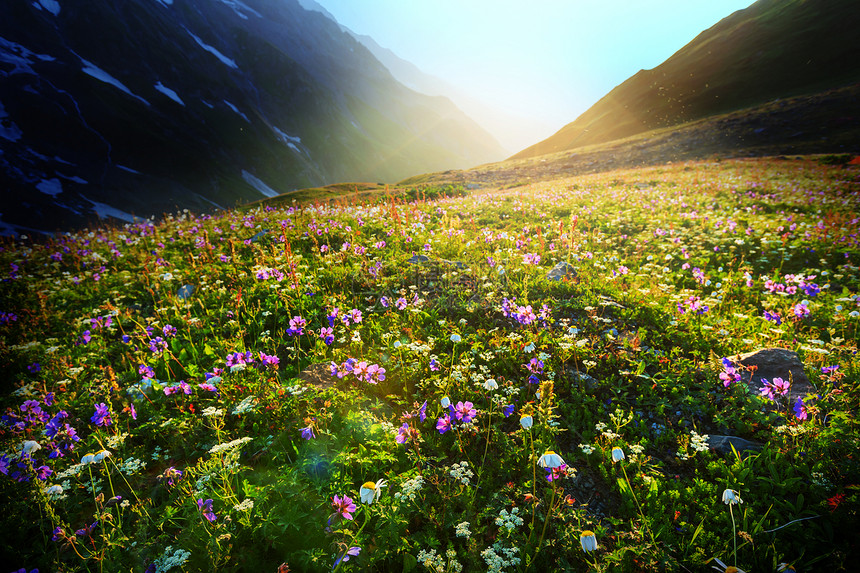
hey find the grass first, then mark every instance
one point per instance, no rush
(198, 395)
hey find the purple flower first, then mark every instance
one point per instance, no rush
(434, 365)
(34, 367)
(800, 310)
(169, 330)
(344, 506)
(101, 417)
(773, 317)
(535, 366)
(800, 409)
(422, 411)
(352, 551)
(297, 326)
(556, 472)
(402, 434)
(171, 475)
(205, 508)
(443, 424)
(307, 432)
(778, 387)
(465, 411)
(327, 334)
(508, 410)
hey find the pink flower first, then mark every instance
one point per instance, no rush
(465, 411)
(343, 506)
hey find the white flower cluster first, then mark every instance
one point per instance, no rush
(699, 442)
(462, 530)
(170, 560)
(246, 405)
(498, 557)
(608, 434)
(218, 448)
(431, 560)
(509, 520)
(410, 489)
(296, 390)
(212, 411)
(821, 481)
(131, 466)
(586, 449)
(461, 473)
(113, 442)
(246, 505)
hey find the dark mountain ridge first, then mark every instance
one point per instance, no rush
(147, 106)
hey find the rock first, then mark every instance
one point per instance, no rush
(582, 378)
(773, 363)
(185, 292)
(319, 375)
(723, 444)
(418, 260)
(260, 235)
(560, 271)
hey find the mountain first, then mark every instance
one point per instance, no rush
(136, 107)
(510, 130)
(772, 50)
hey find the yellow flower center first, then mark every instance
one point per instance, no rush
(369, 485)
(731, 569)
(549, 453)
(587, 533)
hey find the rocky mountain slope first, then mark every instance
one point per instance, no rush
(137, 107)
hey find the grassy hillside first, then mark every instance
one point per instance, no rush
(295, 384)
(772, 50)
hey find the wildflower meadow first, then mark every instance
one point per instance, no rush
(547, 376)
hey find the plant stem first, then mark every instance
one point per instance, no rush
(639, 507)
(734, 535)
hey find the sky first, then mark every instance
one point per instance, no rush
(542, 61)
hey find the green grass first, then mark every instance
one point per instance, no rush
(142, 318)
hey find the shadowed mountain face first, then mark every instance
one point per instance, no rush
(773, 49)
(139, 107)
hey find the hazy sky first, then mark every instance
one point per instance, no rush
(544, 60)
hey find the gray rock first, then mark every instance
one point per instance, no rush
(185, 292)
(260, 235)
(418, 260)
(773, 363)
(561, 270)
(582, 378)
(723, 444)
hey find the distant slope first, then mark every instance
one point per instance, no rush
(773, 49)
(123, 107)
(510, 130)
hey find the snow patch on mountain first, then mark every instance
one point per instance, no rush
(291, 141)
(129, 169)
(8, 130)
(238, 8)
(259, 185)
(51, 187)
(20, 57)
(51, 6)
(165, 2)
(224, 59)
(169, 93)
(93, 70)
(103, 210)
(236, 109)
